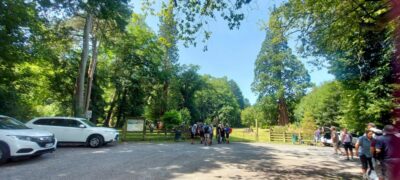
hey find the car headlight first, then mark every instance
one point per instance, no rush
(24, 138)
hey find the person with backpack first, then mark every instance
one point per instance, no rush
(193, 132)
(227, 132)
(200, 130)
(206, 130)
(347, 143)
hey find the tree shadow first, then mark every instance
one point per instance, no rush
(183, 161)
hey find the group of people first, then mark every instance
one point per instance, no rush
(378, 151)
(206, 133)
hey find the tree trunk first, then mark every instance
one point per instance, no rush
(91, 70)
(112, 105)
(121, 110)
(283, 112)
(80, 87)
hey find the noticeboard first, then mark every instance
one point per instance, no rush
(135, 125)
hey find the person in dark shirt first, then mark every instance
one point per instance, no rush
(223, 133)
(387, 147)
(218, 133)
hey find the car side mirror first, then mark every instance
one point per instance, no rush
(82, 126)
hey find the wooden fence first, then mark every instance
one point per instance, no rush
(267, 135)
(290, 137)
(238, 135)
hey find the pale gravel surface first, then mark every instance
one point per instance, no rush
(184, 161)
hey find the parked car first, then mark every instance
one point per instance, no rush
(18, 140)
(75, 130)
(327, 140)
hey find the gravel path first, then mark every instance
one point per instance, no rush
(184, 161)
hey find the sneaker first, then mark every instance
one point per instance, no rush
(365, 176)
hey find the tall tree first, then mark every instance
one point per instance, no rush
(116, 11)
(348, 36)
(238, 93)
(278, 73)
(169, 38)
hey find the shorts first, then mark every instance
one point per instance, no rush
(366, 162)
(207, 135)
(227, 135)
(192, 135)
(201, 134)
(348, 146)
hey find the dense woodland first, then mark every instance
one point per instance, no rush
(63, 58)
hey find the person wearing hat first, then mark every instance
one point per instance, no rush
(387, 147)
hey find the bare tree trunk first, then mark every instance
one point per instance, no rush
(283, 112)
(79, 94)
(91, 70)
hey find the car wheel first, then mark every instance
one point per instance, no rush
(95, 141)
(4, 153)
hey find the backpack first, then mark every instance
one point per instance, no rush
(206, 129)
(227, 130)
(194, 129)
(351, 138)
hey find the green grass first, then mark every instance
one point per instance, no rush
(241, 135)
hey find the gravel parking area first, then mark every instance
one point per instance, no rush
(184, 161)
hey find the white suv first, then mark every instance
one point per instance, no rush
(75, 130)
(17, 140)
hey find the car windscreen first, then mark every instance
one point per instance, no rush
(88, 123)
(10, 123)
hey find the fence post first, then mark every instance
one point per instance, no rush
(269, 134)
(284, 137)
(256, 130)
(300, 138)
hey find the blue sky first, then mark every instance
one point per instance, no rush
(232, 53)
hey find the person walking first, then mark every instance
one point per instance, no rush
(335, 141)
(227, 132)
(222, 133)
(206, 129)
(387, 148)
(347, 143)
(317, 136)
(363, 150)
(200, 131)
(193, 132)
(218, 132)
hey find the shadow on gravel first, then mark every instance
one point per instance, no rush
(176, 161)
(197, 160)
